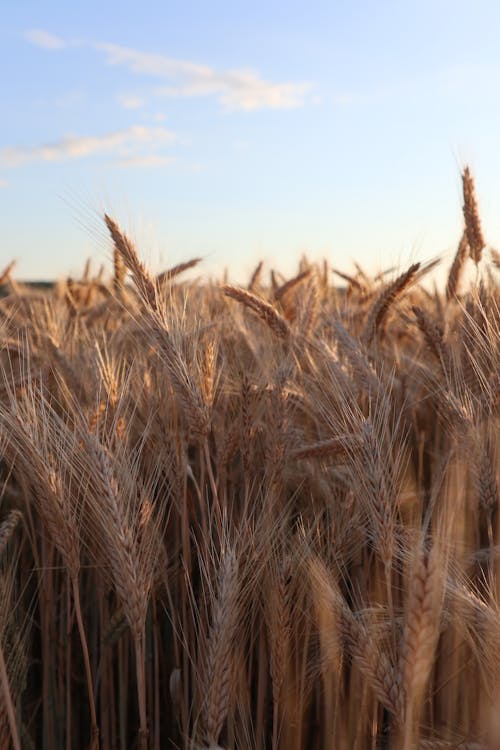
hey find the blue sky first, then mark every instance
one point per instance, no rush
(240, 131)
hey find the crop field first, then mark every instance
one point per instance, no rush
(252, 518)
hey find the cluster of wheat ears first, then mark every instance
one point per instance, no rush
(252, 518)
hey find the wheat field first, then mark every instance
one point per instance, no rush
(252, 518)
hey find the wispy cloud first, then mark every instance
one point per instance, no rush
(122, 143)
(131, 101)
(45, 40)
(236, 89)
(3, 183)
(153, 160)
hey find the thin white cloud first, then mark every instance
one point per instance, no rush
(151, 64)
(242, 90)
(3, 183)
(238, 89)
(153, 160)
(122, 143)
(130, 101)
(45, 40)
(235, 89)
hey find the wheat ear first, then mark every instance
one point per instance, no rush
(495, 257)
(372, 662)
(278, 608)
(264, 310)
(218, 667)
(254, 282)
(421, 632)
(8, 527)
(282, 290)
(473, 229)
(331, 448)
(434, 337)
(4, 276)
(143, 280)
(457, 267)
(383, 303)
(120, 271)
(171, 273)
